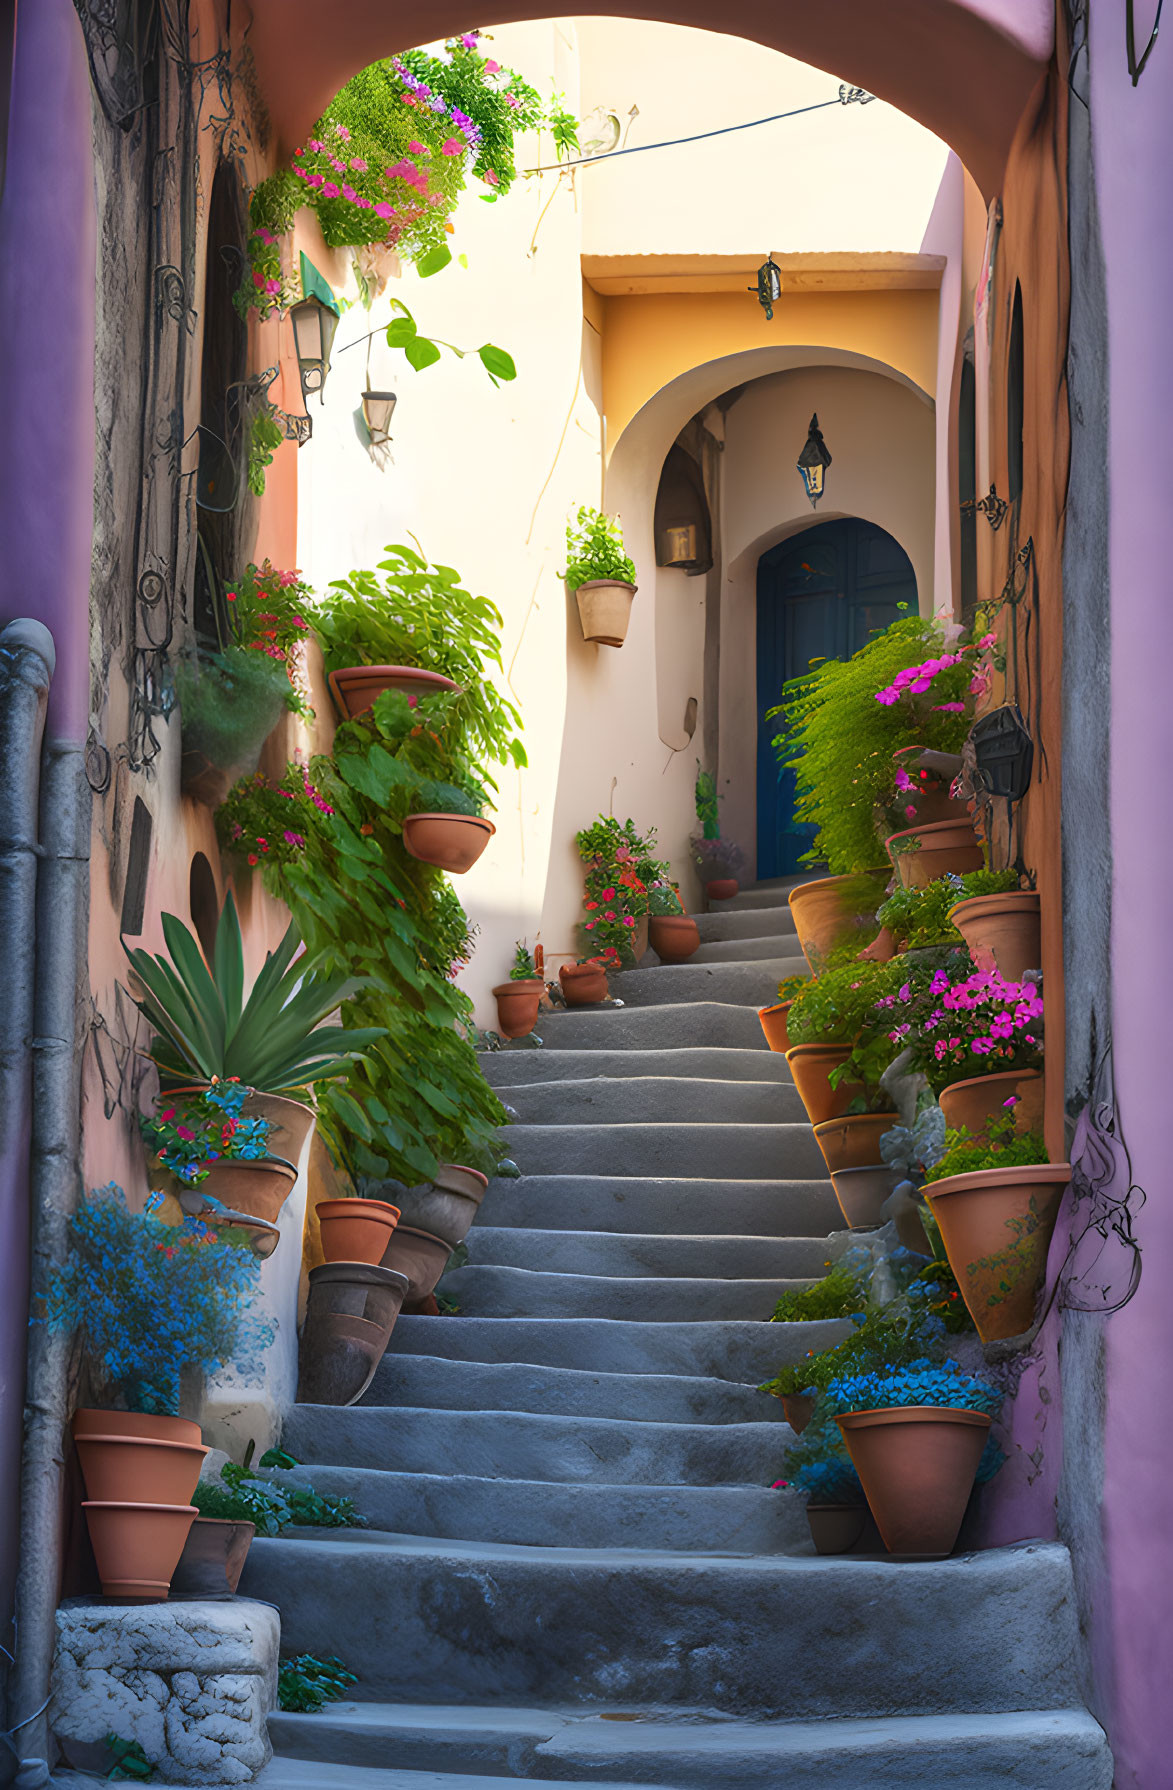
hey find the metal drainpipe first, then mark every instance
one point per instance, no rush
(61, 985)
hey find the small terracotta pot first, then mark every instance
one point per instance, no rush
(853, 1142)
(861, 1192)
(810, 1065)
(947, 846)
(418, 1255)
(828, 910)
(356, 1230)
(996, 1225)
(452, 842)
(213, 1557)
(116, 1468)
(90, 1421)
(604, 609)
(517, 1006)
(774, 1025)
(917, 1465)
(835, 1528)
(259, 1189)
(722, 888)
(799, 1408)
(356, 687)
(1002, 929)
(974, 1102)
(137, 1546)
(674, 937)
(583, 984)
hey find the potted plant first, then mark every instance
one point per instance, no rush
(220, 1159)
(447, 827)
(833, 1018)
(921, 854)
(921, 791)
(444, 1207)
(584, 984)
(674, 936)
(980, 1044)
(600, 575)
(351, 1310)
(921, 916)
(230, 702)
(620, 867)
(820, 1470)
(518, 999)
(836, 911)
(237, 1504)
(996, 1202)
(773, 1019)
(916, 1436)
(356, 1229)
(1001, 927)
(720, 863)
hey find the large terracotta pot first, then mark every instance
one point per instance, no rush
(853, 1142)
(517, 1006)
(356, 1230)
(604, 609)
(149, 1471)
(137, 1546)
(213, 1558)
(420, 1256)
(452, 842)
(810, 1065)
(861, 1192)
(774, 1025)
(583, 984)
(996, 1225)
(1003, 929)
(974, 1102)
(259, 1189)
(90, 1421)
(948, 846)
(350, 1314)
(917, 1465)
(835, 1528)
(674, 937)
(447, 1206)
(356, 687)
(828, 910)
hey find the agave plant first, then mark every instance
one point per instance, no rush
(207, 1029)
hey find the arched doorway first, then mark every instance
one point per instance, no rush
(820, 595)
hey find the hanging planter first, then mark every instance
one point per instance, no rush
(517, 1006)
(583, 984)
(1004, 928)
(674, 937)
(853, 1142)
(861, 1193)
(290, 1121)
(350, 1314)
(452, 842)
(774, 1025)
(447, 1206)
(604, 609)
(921, 854)
(996, 1225)
(421, 1257)
(356, 1230)
(213, 1557)
(971, 1104)
(356, 688)
(601, 576)
(917, 1465)
(810, 1065)
(832, 909)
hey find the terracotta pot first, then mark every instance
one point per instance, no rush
(917, 1466)
(116, 1468)
(213, 1557)
(90, 1421)
(583, 984)
(455, 1178)
(350, 1314)
(452, 842)
(291, 1122)
(137, 1546)
(674, 937)
(799, 1408)
(974, 1102)
(722, 888)
(356, 1230)
(835, 1528)
(996, 1225)
(1003, 929)
(420, 1256)
(828, 910)
(440, 1210)
(853, 1142)
(356, 687)
(810, 1065)
(947, 846)
(517, 1006)
(259, 1189)
(861, 1192)
(604, 609)
(774, 1025)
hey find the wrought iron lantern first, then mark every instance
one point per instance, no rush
(814, 461)
(769, 286)
(1004, 752)
(377, 410)
(314, 324)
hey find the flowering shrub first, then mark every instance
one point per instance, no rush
(268, 615)
(152, 1299)
(917, 680)
(259, 820)
(979, 1025)
(188, 1135)
(1002, 1147)
(620, 868)
(921, 1382)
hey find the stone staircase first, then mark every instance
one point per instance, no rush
(575, 1570)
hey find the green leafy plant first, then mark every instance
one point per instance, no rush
(424, 351)
(819, 1465)
(918, 918)
(620, 866)
(128, 1761)
(706, 801)
(841, 1005)
(241, 1495)
(664, 898)
(433, 797)
(837, 1295)
(524, 969)
(594, 549)
(305, 1684)
(230, 702)
(791, 986)
(1005, 1148)
(265, 436)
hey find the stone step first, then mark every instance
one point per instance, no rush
(698, 1023)
(632, 1254)
(765, 895)
(285, 1773)
(540, 1513)
(435, 1384)
(506, 1069)
(656, 1099)
(753, 922)
(741, 1152)
(745, 1352)
(665, 1204)
(1047, 1749)
(601, 1451)
(526, 1293)
(753, 948)
(758, 1636)
(753, 984)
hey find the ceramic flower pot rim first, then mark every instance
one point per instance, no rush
(137, 1504)
(472, 820)
(881, 1414)
(464, 1170)
(592, 967)
(974, 1081)
(933, 830)
(1027, 900)
(778, 1007)
(350, 1204)
(88, 1436)
(605, 584)
(893, 1118)
(839, 1050)
(836, 882)
(1051, 1174)
(523, 985)
(271, 1164)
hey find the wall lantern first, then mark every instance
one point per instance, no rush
(769, 286)
(314, 319)
(814, 461)
(377, 409)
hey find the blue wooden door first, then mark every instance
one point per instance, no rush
(821, 595)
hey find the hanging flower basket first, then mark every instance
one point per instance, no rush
(452, 842)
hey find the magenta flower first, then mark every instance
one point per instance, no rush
(358, 165)
(452, 146)
(330, 190)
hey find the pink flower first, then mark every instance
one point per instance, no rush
(414, 148)
(293, 838)
(949, 708)
(491, 177)
(910, 811)
(358, 165)
(452, 146)
(610, 914)
(904, 781)
(988, 640)
(384, 210)
(511, 102)
(492, 68)
(330, 190)
(348, 192)
(608, 894)
(402, 171)
(315, 180)
(317, 147)
(627, 920)
(469, 40)
(338, 167)
(344, 133)
(265, 235)
(185, 1133)
(273, 286)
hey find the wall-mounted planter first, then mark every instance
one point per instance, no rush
(861, 1193)
(923, 853)
(356, 1230)
(583, 984)
(996, 1225)
(828, 910)
(517, 1006)
(137, 1546)
(810, 1065)
(722, 888)
(917, 1465)
(1003, 929)
(604, 609)
(774, 1025)
(445, 1207)
(674, 937)
(213, 1558)
(258, 1188)
(452, 842)
(835, 1528)
(419, 1255)
(290, 1121)
(974, 1102)
(853, 1142)
(356, 688)
(350, 1315)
